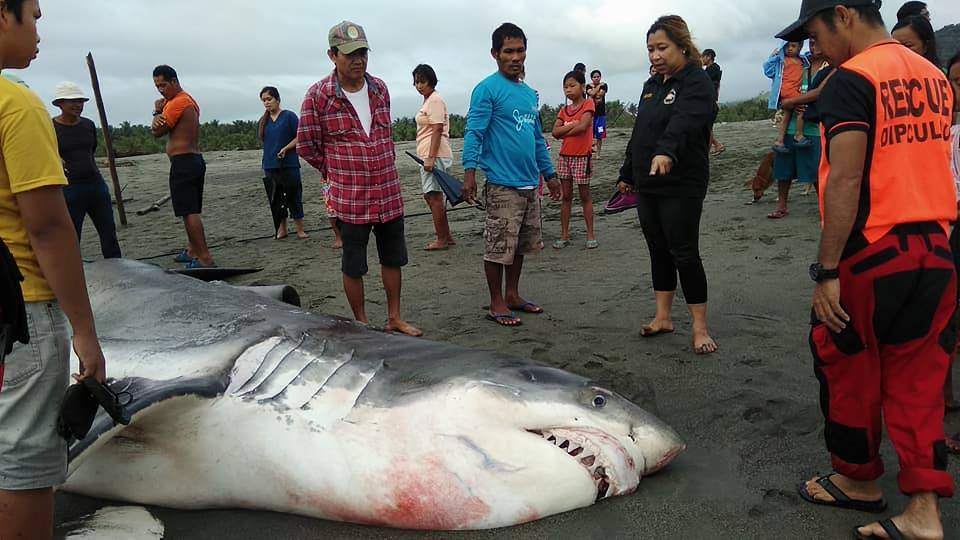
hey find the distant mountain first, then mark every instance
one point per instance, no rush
(948, 41)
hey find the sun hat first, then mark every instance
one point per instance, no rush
(68, 90)
(348, 37)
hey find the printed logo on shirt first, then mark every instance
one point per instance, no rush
(915, 111)
(523, 119)
(647, 96)
(671, 97)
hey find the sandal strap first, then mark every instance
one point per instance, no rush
(838, 495)
(891, 529)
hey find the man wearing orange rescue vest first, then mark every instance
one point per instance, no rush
(886, 287)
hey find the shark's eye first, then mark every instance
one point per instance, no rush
(599, 401)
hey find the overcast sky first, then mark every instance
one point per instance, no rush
(226, 50)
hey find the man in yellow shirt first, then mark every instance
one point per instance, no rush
(35, 225)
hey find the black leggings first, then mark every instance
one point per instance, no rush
(671, 226)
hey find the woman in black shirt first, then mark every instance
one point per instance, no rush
(667, 165)
(87, 193)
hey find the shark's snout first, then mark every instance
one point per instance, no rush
(659, 444)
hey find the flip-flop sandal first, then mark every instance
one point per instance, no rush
(504, 319)
(183, 257)
(527, 307)
(889, 527)
(778, 214)
(648, 332)
(593, 244)
(560, 244)
(195, 264)
(436, 248)
(841, 500)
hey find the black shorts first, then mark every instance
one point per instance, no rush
(186, 183)
(391, 246)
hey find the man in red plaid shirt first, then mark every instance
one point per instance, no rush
(345, 133)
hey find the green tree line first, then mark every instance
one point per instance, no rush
(132, 140)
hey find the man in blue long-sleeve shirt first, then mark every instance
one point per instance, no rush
(504, 138)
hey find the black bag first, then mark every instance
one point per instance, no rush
(13, 314)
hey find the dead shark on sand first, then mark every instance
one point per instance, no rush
(240, 401)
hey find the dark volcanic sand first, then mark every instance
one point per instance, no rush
(749, 413)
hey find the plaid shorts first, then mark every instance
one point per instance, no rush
(576, 168)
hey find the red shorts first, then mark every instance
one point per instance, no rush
(890, 364)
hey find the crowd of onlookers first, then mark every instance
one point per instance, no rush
(866, 119)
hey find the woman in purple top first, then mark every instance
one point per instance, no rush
(281, 165)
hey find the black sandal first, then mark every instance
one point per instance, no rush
(889, 527)
(841, 500)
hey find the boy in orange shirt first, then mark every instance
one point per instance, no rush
(786, 67)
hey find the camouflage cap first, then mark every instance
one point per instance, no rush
(348, 37)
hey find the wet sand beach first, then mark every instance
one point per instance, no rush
(749, 413)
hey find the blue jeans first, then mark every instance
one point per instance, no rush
(93, 199)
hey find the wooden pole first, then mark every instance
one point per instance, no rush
(107, 140)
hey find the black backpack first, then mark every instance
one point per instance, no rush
(13, 314)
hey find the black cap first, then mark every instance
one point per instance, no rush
(810, 8)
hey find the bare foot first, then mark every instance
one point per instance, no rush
(337, 244)
(703, 343)
(656, 327)
(403, 327)
(436, 245)
(858, 491)
(302, 235)
(920, 520)
(281, 232)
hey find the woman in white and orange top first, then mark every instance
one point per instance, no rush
(433, 147)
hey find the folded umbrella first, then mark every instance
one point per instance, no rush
(275, 199)
(452, 188)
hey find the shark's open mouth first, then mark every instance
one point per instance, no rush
(588, 454)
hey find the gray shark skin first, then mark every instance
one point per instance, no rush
(241, 401)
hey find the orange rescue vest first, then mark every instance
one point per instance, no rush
(908, 166)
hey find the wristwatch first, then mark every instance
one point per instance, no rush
(820, 274)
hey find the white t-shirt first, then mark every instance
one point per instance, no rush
(361, 103)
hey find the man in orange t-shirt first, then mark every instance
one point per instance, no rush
(178, 115)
